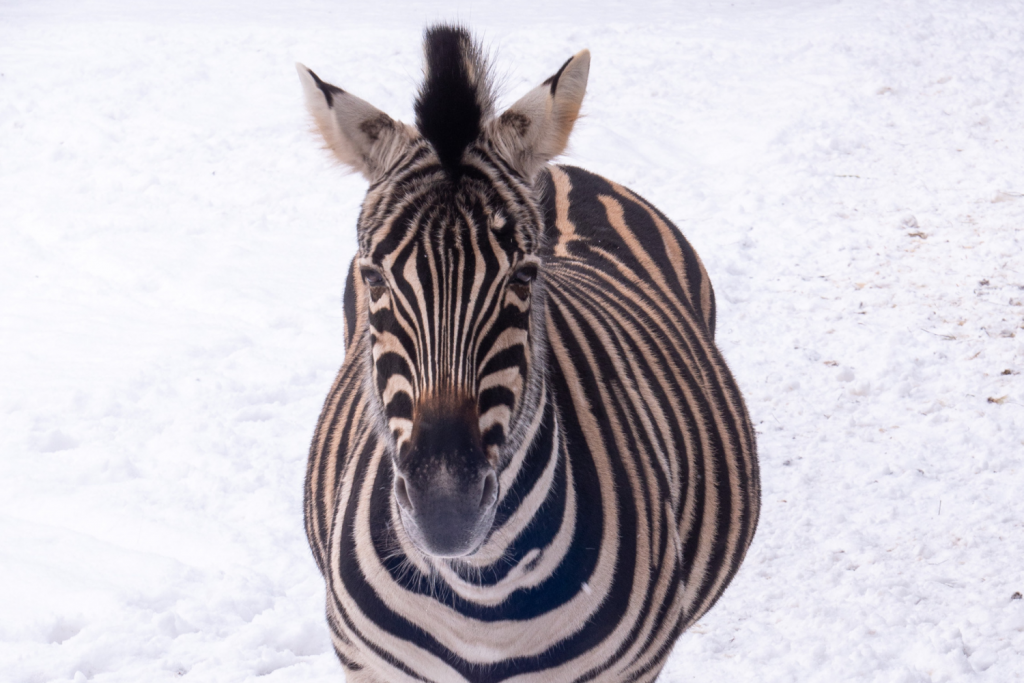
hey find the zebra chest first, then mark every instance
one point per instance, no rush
(576, 557)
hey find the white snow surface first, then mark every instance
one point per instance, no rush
(173, 246)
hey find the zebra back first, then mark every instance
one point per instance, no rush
(628, 294)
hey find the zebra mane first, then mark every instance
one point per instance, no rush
(455, 98)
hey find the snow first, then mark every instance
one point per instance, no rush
(174, 249)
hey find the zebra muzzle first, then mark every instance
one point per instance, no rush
(445, 520)
(447, 491)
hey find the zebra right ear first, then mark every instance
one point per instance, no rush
(536, 129)
(361, 136)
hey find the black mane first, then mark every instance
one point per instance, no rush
(455, 95)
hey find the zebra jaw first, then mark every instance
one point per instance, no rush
(445, 485)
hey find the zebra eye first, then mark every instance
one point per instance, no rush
(524, 275)
(372, 277)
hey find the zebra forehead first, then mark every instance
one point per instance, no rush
(449, 226)
(420, 193)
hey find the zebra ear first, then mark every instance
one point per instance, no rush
(361, 136)
(536, 129)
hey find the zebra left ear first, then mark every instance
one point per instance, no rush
(362, 137)
(536, 129)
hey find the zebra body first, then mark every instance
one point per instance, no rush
(534, 464)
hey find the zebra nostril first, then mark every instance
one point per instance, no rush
(490, 493)
(402, 493)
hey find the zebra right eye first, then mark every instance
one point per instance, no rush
(524, 275)
(372, 277)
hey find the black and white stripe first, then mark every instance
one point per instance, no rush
(534, 464)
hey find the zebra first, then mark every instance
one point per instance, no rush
(534, 464)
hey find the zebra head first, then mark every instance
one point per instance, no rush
(449, 276)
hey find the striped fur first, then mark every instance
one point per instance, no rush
(561, 331)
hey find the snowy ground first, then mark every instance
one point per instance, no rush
(172, 253)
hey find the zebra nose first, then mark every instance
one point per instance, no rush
(490, 491)
(402, 493)
(447, 516)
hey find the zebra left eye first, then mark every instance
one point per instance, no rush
(524, 275)
(371, 277)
